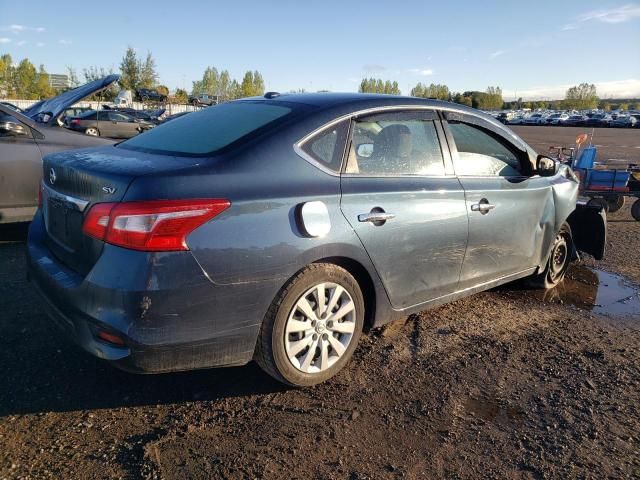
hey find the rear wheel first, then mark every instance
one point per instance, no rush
(635, 210)
(312, 327)
(615, 202)
(93, 131)
(558, 262)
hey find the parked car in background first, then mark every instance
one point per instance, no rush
(575, 120)
(517, 119)
(597, 120)
(533, 119)
(624, 121)
(25, 137)
(108, 123)
(174, 116)
(504, 117)
(151, 116)
(148, 94)
(203, 100)
(556, 119)
(188, 246)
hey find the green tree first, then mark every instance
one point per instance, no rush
(209, 83)
(148, 75)
(258, 83)
(6, 75)
(377, 85)
(246, 86)
(181, 96)
(163, 90)
(437, 91)
(73, 77)
(463, 98)
(581, 97)
(42, 89)
(25, 80)
(129, 70)
(623, 106)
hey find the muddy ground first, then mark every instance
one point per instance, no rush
(510, 383)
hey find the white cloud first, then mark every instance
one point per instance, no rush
(425, 72)
(497, 53)
(611, 89)
(40, 44)
(64, 41)
(17, 28)
(5, 40)
(613, 15)
(40, 29)
(21, 43)
(569, 26)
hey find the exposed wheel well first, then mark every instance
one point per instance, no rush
(364, 281)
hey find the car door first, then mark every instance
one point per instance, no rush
(124, 126)
(408, 209)
(20, 170)
(510, 210)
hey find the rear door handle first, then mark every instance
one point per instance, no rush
(483, 207)
(377, 218)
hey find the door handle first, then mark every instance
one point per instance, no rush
(483, 207)
(375, 217)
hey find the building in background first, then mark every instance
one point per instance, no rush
(59, 81)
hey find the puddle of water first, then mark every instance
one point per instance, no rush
(601, 292)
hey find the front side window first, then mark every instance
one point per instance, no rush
(209, 130)
(327, 146)
(399, 143)
(481, 154)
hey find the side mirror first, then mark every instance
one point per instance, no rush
(546, 167)
(12, 128)
(364, 150)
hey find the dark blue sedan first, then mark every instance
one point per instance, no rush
(278, 228)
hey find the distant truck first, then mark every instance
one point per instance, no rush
(203, 99)
(123, 99)
(147, 94)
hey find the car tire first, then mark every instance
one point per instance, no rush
(615, 203)
(635, 210)
(299, 344)
(557, 263)
(145, 98)
(92, 131)
(598, 202)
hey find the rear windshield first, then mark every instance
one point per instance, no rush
(209, 130)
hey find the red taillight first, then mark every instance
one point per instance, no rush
(110, 338)
(156, 225)
(75, 121)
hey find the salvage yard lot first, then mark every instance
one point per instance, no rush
(509, 383)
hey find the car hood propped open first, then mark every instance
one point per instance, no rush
(56, 105)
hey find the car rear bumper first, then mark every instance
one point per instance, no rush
(167, 311)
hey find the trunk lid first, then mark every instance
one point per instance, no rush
(76, 180)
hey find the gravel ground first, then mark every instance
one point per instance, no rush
(510, 383)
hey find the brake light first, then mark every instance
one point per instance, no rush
(75, 121)
(155, 225)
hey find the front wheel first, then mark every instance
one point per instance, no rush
(558, 262)
(635, 210)
(312, 327)
(615, 202)
(92, 131)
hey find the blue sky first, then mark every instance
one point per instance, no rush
(532, 49)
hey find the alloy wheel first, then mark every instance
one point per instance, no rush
(320, 327)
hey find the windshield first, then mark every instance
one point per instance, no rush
(208, 130)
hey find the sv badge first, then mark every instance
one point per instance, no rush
(109, 190)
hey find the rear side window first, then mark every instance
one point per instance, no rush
(209, 130)
(404, 143)
(327, 146)
(481, 154)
